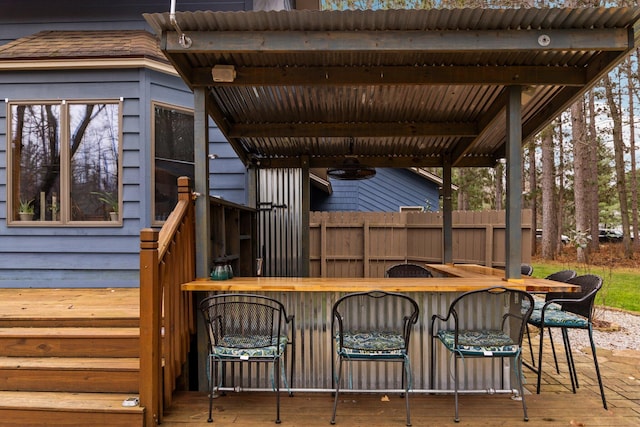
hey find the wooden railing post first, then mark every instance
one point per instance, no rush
(150, 321)
(184, 188)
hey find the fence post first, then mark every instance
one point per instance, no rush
(150, 387)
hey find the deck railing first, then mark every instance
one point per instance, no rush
(167, 259)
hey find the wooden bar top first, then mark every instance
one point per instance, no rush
(362, 284)
(466, 270)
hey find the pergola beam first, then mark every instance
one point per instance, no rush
(336, 130)
(371, 161)
(396, 75)
(291, 42)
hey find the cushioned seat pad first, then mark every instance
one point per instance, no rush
(249, 346)
(558, 318)
(479, 342)
(372, 344)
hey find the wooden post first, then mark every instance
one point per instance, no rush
(150, 387)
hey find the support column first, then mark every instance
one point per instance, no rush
(514, 184)
(201, 182)
(447, 212)
(305, 258)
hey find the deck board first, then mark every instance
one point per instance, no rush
(555, 406)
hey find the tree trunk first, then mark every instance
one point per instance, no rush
(533, 190)
(549, 217)
(633, 174)
(592, 183)
(618, 148)
(560, 216)
(581, 175)
(499, 171)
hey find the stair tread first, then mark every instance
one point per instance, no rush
(58, 363)
(75, 332)
(48, 303)
(63, 401)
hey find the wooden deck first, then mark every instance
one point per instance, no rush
(555, 406)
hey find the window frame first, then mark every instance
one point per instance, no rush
(190, 111)
(64, 218)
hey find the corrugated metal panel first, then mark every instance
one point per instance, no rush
(401, 20)
(280, 221)
(401, 103)
(314, 356)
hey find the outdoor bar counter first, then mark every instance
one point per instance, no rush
(311, 299)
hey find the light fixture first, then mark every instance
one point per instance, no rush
(223, 73)
(351, 169)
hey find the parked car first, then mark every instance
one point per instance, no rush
(563, 238)
(607, 235)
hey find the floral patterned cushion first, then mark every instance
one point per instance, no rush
(371, 344)
(479, 342)
(538, 304)
(558, 318)
(243, 346)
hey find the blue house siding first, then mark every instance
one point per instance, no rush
(385, 192)
(87, 256)
(98, 256)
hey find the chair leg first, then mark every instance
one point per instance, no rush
(553, 351)
(540, 359)
(518, 363)
(569, 354)
(211, 388)
(595, 361)
(432, 364)
(455, 386)
(406, 391)
(337, 383)
(293, 361)
(276, 374)
(533, 359)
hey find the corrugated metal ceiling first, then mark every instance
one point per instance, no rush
(396, 88)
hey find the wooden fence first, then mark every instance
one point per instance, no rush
(364, 244)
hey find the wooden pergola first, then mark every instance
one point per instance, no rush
(396, 88)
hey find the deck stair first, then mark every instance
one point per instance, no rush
(69, 357)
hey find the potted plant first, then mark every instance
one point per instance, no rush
(111, 201)
(26, 210)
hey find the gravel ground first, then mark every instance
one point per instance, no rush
(626, 338)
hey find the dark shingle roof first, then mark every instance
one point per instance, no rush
(48, 45)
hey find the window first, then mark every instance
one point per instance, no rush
(64, 162)
(173, 156)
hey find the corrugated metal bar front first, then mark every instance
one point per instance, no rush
(280, 221)
(314, 355)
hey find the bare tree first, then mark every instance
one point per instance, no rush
(618, 147)
(533, 189)
(631, 77)
(581, 174)
(549, 216)
(592, 182)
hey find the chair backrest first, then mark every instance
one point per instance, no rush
(253, 321)
(562, 275)
(375, 311)
(407, 270)
(526, 270)
(580, 303)
(503, 309)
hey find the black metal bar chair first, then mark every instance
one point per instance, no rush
(243, 328)
(373, 327)
(574, 310)
(407, 270)
(498, 334)
(558, 276)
